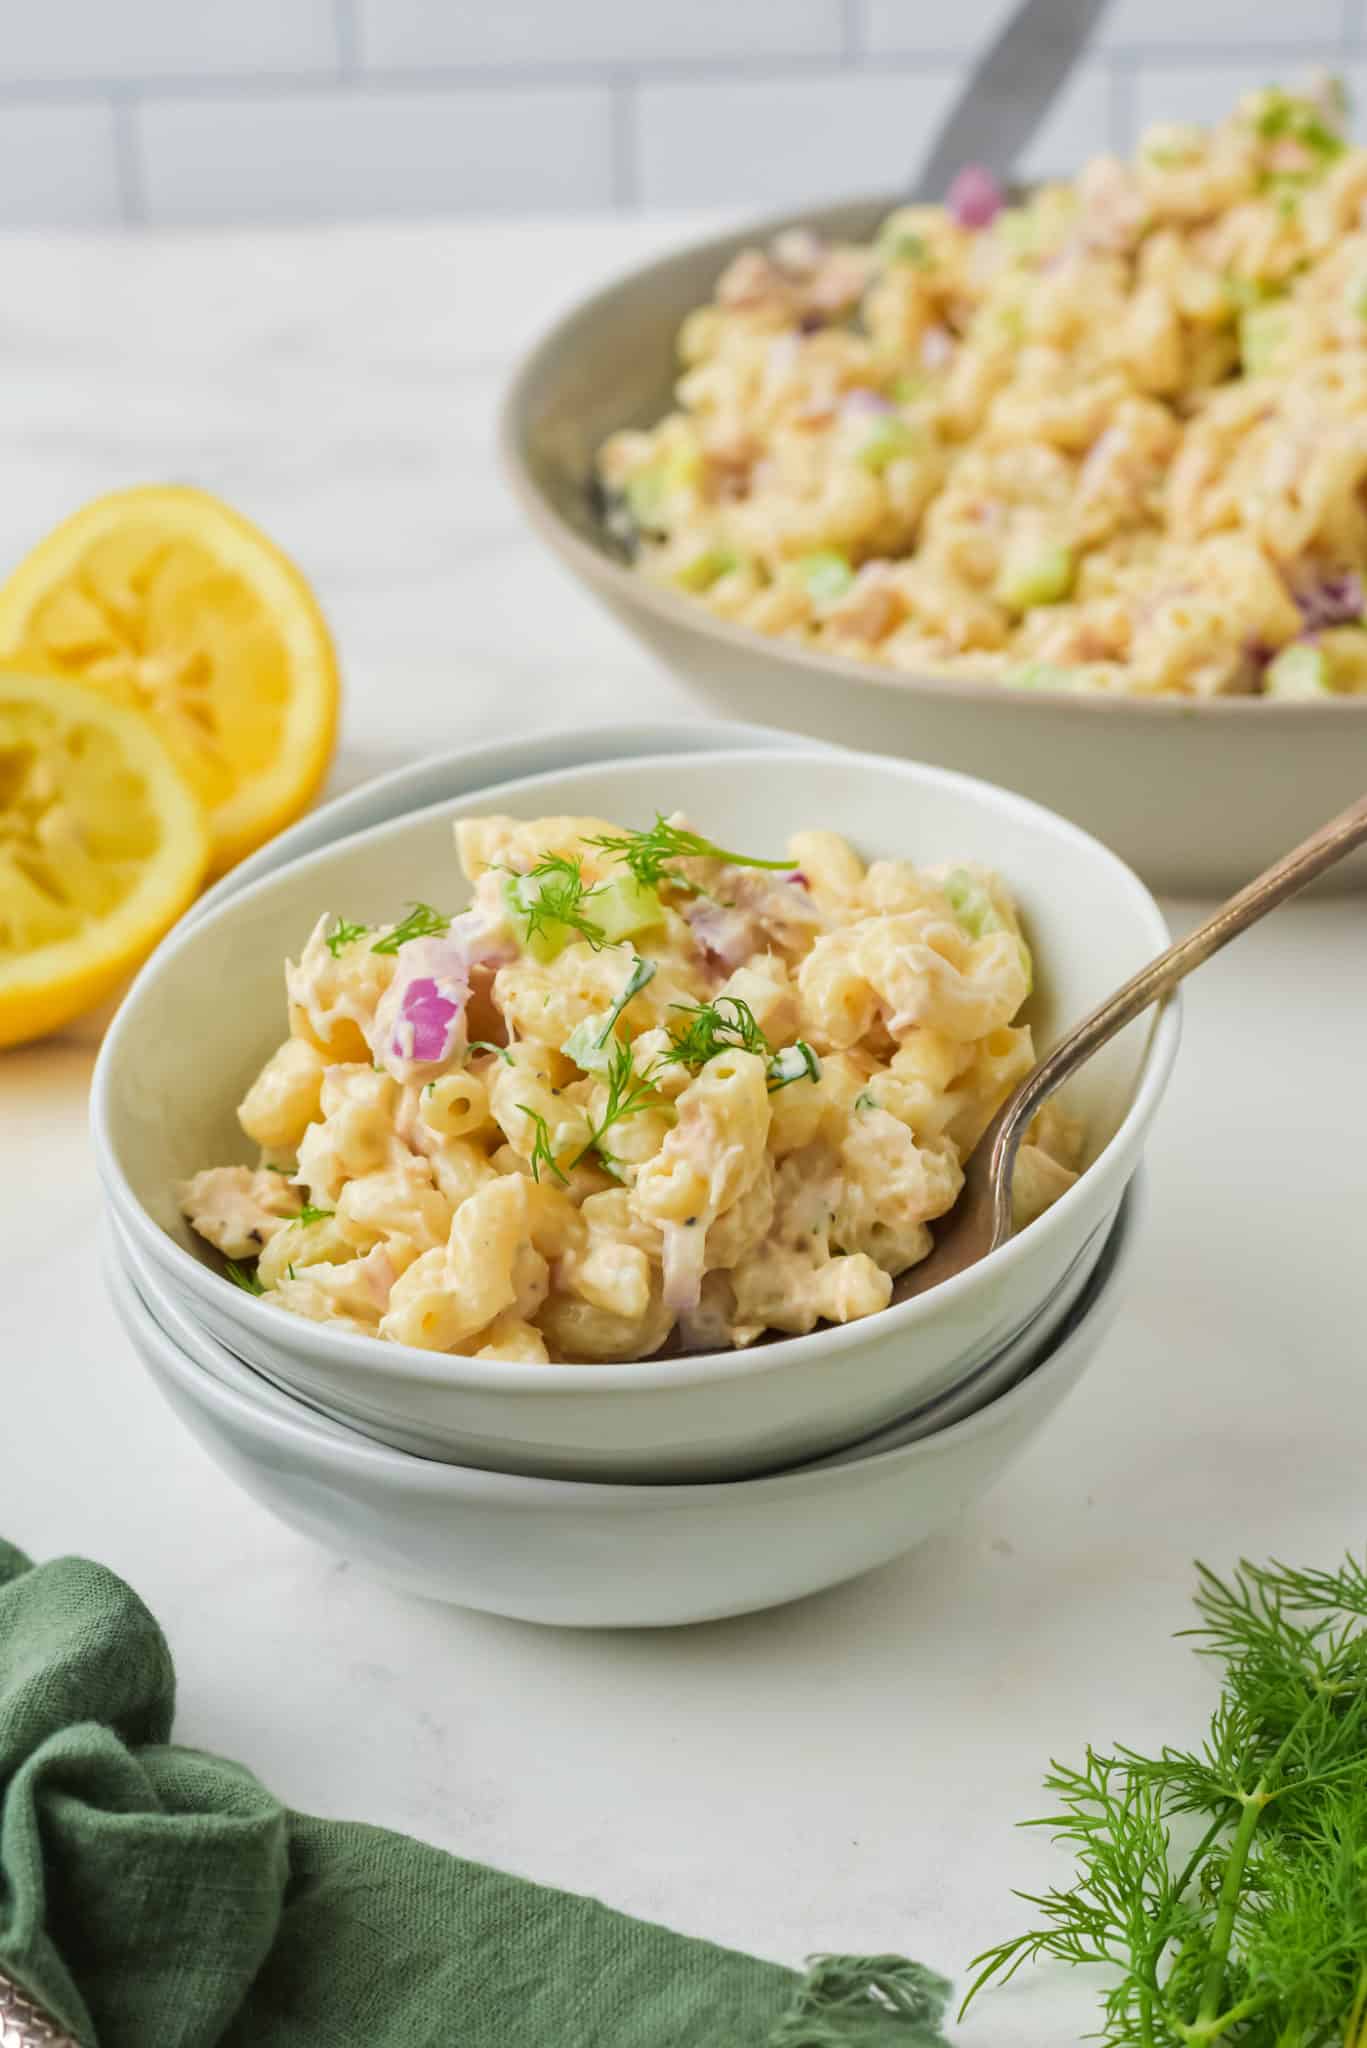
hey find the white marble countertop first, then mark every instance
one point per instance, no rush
(843, 1773)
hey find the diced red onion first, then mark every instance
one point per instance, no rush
(683, 1248)
(798, 879)
(937, 346)
(420, 1018)
(726, 936)
(785, 353)
(797, 250)
(1331, 601)
(861, 403)
(434, 1014)
(975, 198)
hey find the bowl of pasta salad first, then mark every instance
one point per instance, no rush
(584, 1555)
(1066, 492)
(586, 1125)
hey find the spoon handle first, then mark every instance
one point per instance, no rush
(1009, 91)
(1158, 979)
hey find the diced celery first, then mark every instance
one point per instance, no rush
(706, 568)
(1263, 333)
(971, 904)
(1039, 574)
(1019, 229)
(902, 246)
(589, 1045)
(647, 491)
(1246, 292)
(623, 906)
(548, 941)
(979, 916)
(645, 494)
(1042, 675)
(908, 388)
(1287, 114)
(1299, 671)
(1357, 298)
(891, 440)
(827, 575)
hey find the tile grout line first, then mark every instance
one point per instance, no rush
(347, 30)
(622, 110)
(548, 76)
(1120, 107)
(128, 159)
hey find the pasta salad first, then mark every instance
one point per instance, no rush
(643, 1090)
(1113, 438)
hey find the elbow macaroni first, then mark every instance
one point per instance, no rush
(1113, 440)
(744, 1116)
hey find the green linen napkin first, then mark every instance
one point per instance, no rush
(155, 1897)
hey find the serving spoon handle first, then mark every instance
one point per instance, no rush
(1009, 91)
(981, 1219)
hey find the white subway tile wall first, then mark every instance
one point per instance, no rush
(186, 112)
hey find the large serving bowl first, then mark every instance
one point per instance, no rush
(583, 1555)
(1197, 796)
(208, 1008)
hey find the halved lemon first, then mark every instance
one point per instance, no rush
(165, 599)
(102, 844)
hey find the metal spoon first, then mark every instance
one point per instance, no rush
(981, 1219)
(1009, 91)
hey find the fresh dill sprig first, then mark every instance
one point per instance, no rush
(505, 1052)
(344, 934)
(628, 1093)
(308, 1214)
(543, 1152)
(726, 1025)
(243, 1277)
(422, 922)
(795, 1062)
(1225, 1887)
(554, 892)
(729, 1024)
(648, 854)
(641, 975)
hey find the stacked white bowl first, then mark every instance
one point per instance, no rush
(679, 1489)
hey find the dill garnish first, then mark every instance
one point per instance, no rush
(308, 1214)
(729, 1024)
(648, 854)
(554, 892)
(243, 1277)
(543, 1152)
(344, 934)
(629, 1092)
(1225, 1887)
(422, 922)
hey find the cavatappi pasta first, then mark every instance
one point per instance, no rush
(642, 1088)
(1113, 439)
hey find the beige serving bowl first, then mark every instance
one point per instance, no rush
(1197, 795)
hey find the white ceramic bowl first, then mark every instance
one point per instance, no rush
(986, 1383)
(582, 1555)
(208, 1008)
(1197, 795)
(438, 777)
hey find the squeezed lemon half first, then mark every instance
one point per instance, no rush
(102, 845)
(164, 599)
